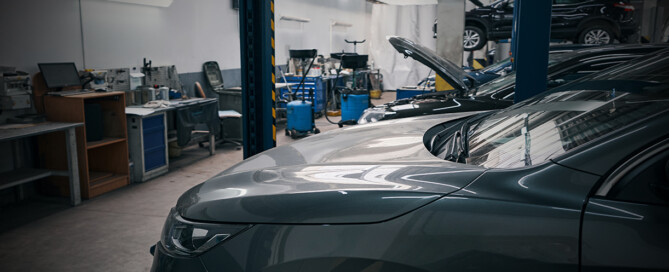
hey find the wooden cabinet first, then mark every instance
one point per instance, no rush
(103, 161)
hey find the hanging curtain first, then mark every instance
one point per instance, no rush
(412, 22)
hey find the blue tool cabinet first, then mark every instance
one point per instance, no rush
(147, 137)
(316, 83)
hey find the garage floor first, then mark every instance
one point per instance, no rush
(113, 232)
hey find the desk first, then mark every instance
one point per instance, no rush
(24, 175)
(183, 115)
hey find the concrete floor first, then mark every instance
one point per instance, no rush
(114, 232)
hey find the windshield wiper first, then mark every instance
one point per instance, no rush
(455, 147)
(456, 150)
(526, 132)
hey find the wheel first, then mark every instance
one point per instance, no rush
(596, 34)
(316, 131)
(474, 38)
(287, 132)
(293, 133)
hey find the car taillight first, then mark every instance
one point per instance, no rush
(626, 7)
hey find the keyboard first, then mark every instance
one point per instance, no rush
(70, 92)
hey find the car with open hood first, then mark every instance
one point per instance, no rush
(503, 67)
(498, 93)
(574, 180)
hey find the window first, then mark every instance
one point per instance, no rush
(646, 183)
(567, 2)
(547, 126)
(585, 68)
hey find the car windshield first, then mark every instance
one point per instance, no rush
(547, 126)
(499, 3)
(498, 84)
(497, 66)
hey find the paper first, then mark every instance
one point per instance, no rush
(229, 113)
(139, 111)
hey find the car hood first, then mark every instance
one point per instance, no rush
(361, 174)
(431, 103)
(450, 72)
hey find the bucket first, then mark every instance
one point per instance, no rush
(352, 106)
(299, 116)
(375, 94)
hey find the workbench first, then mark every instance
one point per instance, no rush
(20, 175)
(179, 118)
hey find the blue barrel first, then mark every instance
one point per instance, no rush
(299, 116)
(352, 106)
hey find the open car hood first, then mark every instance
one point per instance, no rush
(361, 174)
(450, 72)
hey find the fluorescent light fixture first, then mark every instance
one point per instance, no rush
(335, 23)
(153, 3)
(295, 19)
(409, 2)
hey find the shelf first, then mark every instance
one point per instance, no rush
(20, 176)
(107, 184)
(104, 142)
(97, 176)
(107, 178)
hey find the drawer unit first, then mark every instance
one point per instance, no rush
(317, 84)
(147, 136)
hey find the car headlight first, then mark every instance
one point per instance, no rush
(371, 115)
(185, 238)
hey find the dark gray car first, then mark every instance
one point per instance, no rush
(574, 180)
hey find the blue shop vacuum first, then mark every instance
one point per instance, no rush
(354, 100)
(300, 113)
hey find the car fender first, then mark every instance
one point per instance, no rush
(471, 21)
(585, 22)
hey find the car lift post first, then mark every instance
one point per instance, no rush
(530, 40)
(256, 37)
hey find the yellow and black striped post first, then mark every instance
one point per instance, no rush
(258, 75)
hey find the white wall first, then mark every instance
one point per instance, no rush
(39, 31)
(115, 35)
(186, 34)
(316, 33)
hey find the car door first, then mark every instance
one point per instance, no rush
(626, 224)
(502, 19)
(565, 17)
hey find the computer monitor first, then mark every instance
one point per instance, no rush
(59, 75)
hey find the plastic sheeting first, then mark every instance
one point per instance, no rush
(188, 117)
(412, 22)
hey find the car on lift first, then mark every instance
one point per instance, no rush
(498, 93)
(576, 180)
(580, 21)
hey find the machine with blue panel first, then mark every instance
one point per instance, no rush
(147, 143)
(314, 83)
(354, 100)
(300, 112)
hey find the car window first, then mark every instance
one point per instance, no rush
(494, 68)
(547, 126)
(645, 183)
(501, 3)
(566, 2)
(585, 68)
(495, 85)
